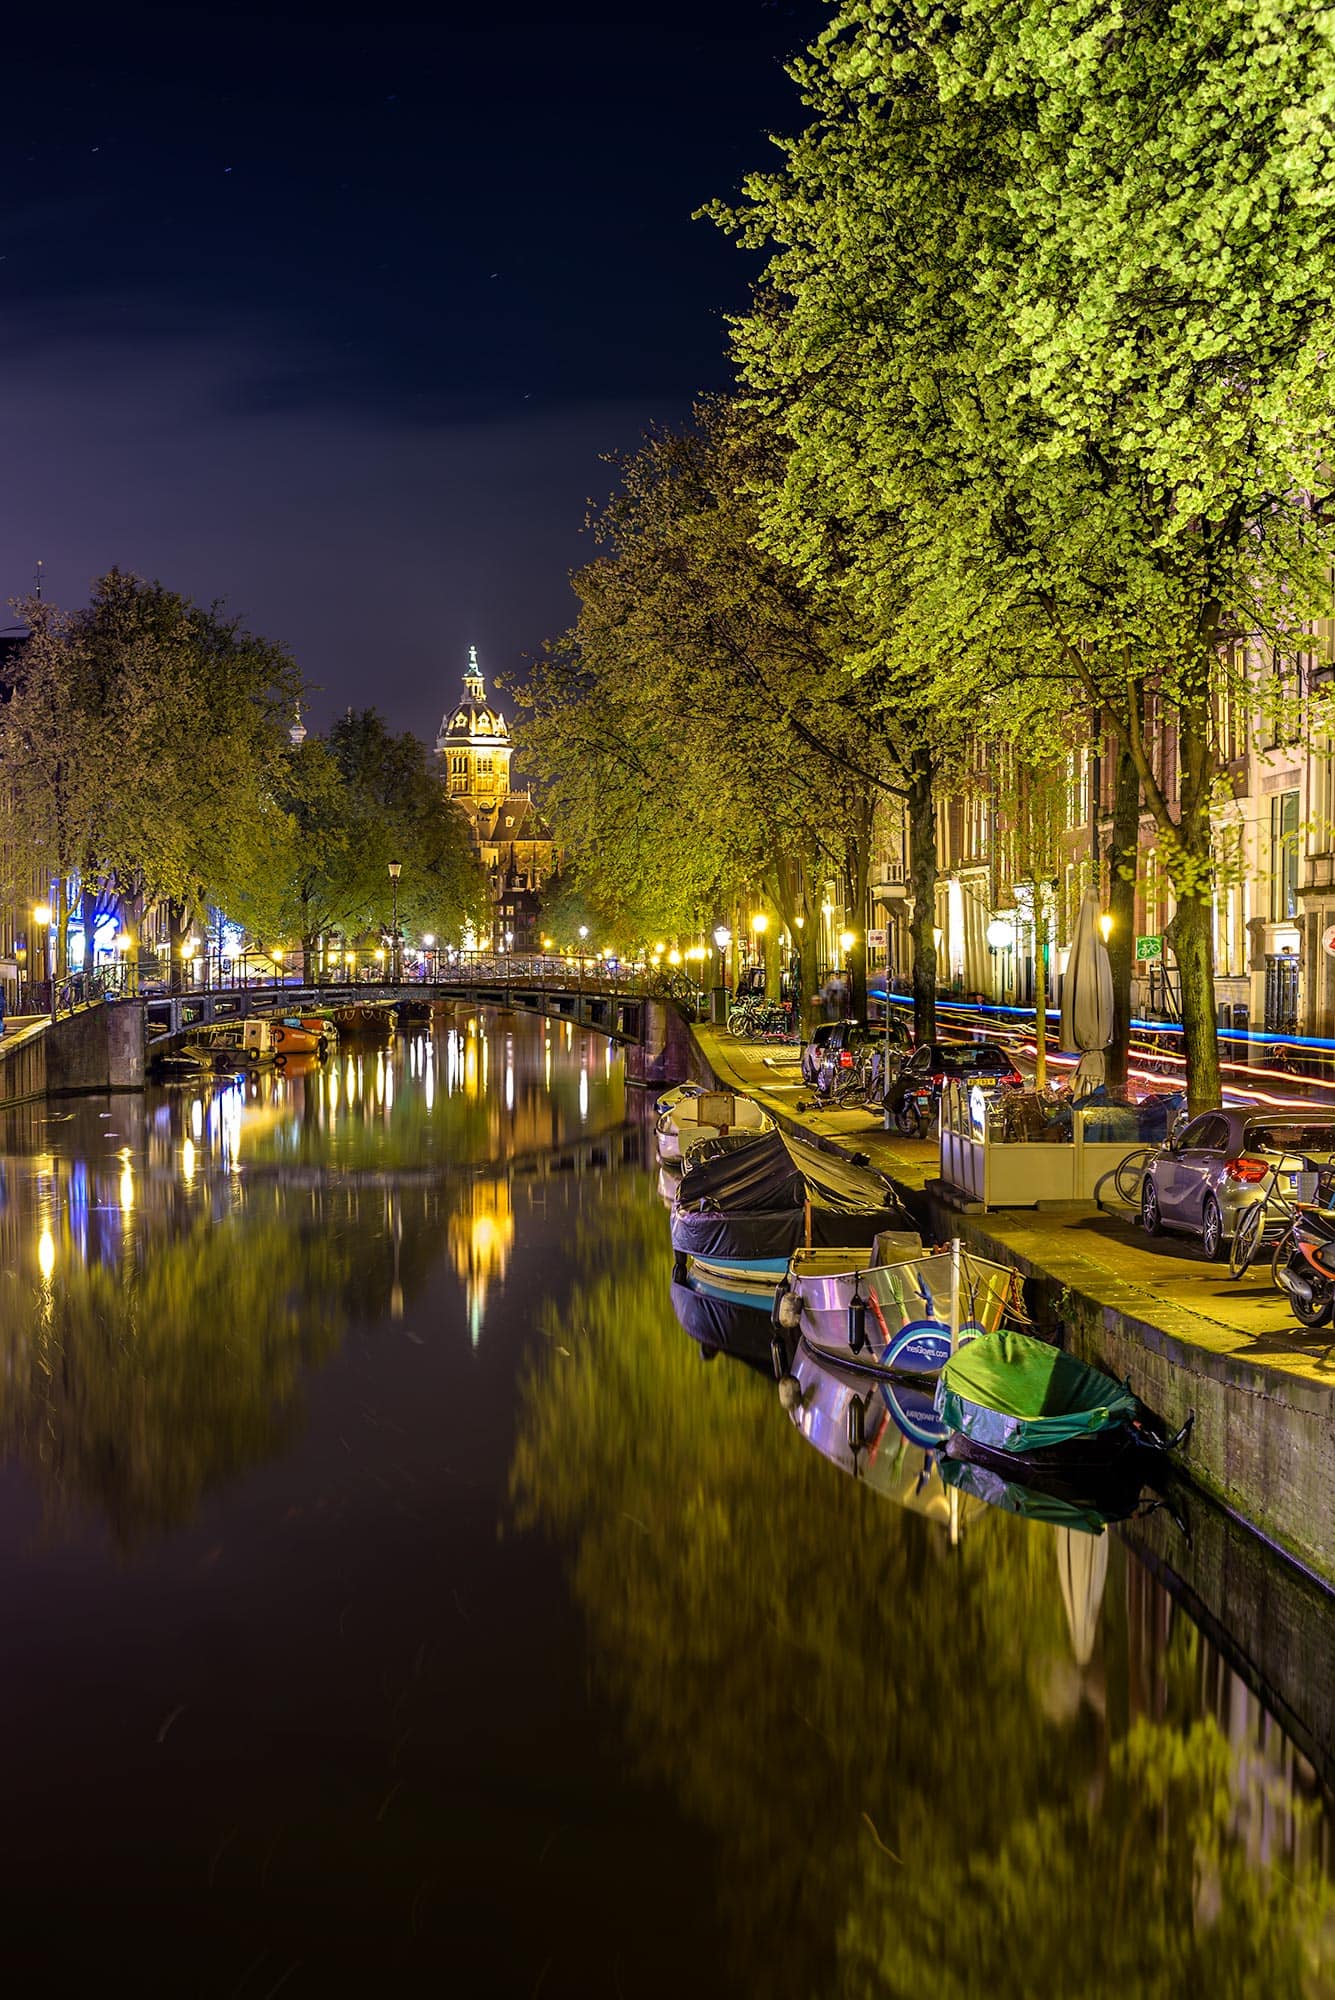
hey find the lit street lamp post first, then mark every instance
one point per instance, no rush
(42, 915)
(395, 870)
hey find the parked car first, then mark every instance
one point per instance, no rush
(1219, 1165)
(927, 1071)
(840, 1041)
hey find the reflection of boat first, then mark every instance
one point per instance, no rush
(746, 1212)
(707, 1114)
(884, 1433)
(364, 1020)
(893, 1301)
(1085, 1505)
(720, 1328)
(254, 1039)
(1023, 1407)
(414, 1013)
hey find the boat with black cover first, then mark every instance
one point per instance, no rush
(746, 1211)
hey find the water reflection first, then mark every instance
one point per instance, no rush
(1011, 1760)
(177, 1264)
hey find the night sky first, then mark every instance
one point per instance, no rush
(329, 313)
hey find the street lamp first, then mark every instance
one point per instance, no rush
(42, 915)
(429, 964)
(1105, 925)
(395, 870)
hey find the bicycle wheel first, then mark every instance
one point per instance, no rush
(1246, 1237)
(1128, 1175)
(737, 1021)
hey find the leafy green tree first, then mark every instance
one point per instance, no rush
(698, 729)
(1046, 320)
(350, 804)
(141, 739)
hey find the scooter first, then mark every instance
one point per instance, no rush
(1304, 1264)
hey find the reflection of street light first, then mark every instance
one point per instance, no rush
(42, 915)
(395, 870)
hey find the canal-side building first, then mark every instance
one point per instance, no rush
(512, 840)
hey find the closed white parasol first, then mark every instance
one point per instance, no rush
(1087, 997)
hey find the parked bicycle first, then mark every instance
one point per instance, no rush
(758, 1019)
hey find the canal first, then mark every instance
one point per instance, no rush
(396, 1601)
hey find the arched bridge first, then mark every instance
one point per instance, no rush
(646, 1011)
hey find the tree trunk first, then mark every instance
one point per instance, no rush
(310, 959)
(1191, 932)
(857, 855)
(1123, 857)
(921, 776)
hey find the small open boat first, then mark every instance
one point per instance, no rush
(709, 1114)
(1018, 1405)
(896, 1302)
(678, 1094)
(744, 1213)
(1086, 1505)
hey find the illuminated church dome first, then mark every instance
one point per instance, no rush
(474, 745)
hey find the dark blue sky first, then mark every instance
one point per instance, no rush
(330, 313)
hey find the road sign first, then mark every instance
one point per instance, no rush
(875, 937)
(1149, 947)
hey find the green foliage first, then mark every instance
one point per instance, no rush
(350, 804)
(697, 728)
(1046, 321)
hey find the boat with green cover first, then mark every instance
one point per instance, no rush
(1009, 1400)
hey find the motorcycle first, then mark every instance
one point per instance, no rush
(1303, 1265)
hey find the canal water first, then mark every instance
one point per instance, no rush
(397, 1601)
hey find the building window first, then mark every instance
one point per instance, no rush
(1283, 857)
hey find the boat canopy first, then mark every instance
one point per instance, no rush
(1048, 1397)
(777, 1173)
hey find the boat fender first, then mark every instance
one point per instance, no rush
(857, 1320)
(680, 1268)
(277, 1036)
(778, 1354)
(857, 1424)
(790, 1393)
(790, 1310)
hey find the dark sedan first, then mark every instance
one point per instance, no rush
(928, 1069)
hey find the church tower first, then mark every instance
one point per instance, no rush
(474, 747)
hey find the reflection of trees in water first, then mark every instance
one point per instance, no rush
(818, 1678)
(133, 1389)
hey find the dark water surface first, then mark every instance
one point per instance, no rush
(394, 1604)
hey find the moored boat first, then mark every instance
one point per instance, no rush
(1019, 1405)
(249, 1041)
(906, 1308)
(708, 1114)
(745, 1212)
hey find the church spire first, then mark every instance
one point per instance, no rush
(474, 685)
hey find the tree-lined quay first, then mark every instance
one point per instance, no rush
(1019, 515)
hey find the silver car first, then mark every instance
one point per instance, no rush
(1202, 1180)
